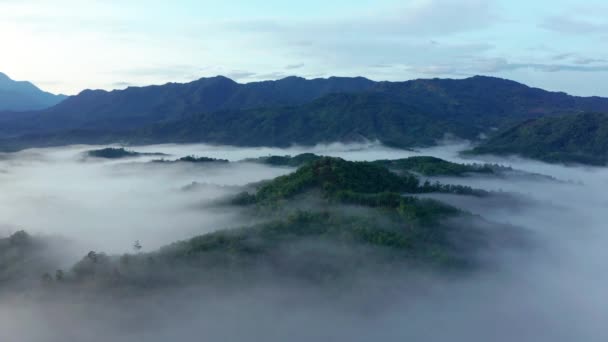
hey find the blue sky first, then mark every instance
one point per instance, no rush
(69, 45)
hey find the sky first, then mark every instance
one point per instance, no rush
(65, 46)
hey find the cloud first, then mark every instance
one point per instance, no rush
(294, 66)
(562, 56)
(240, 74)
(503, 65)
(271, 75)
(168, 71)
(122, 84)
(570, 25)
(578, 59)
(585, 61)
(434, 17)
(430, 17)
(497, 65)
(552, 288)
(121, 203)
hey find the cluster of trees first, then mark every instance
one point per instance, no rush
(192, 159)
(335, 176)
(112, 153)
(118, 153)
(424, 165)
(431, 166)
(295, 161)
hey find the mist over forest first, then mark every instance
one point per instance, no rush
(534, 246)
(232, 171)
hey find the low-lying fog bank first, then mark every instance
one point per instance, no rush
(107, 204)
(554, 291)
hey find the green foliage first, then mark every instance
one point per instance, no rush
(431, 166)
(425, 211)
(425, 165)
(112, 153)
(333, 175)
(412, 241)
(118, 153)
(192, 159)
(336, 117)
(294, 161)
(580, 138)
(243, 198)
(367, 183)
(429, 187)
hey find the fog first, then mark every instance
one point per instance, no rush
(108, 204)
(553, 290)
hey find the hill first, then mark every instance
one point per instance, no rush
(423, 165)
(488, 100)
(367, 183)
(120, 110)
(336, 117)
(431, 166)
(292, 110)
(19, 96)
(327, 223)
(356, 220)
(581, 138)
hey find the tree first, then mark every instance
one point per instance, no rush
(137, 246)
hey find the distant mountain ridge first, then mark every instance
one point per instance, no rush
(24, 96)
(292, 110)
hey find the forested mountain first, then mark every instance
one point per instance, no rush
(491, 98)
(133, 107)
(336, 117)
(580, 138)
(403, 114)
(20, 96)
(292, 110)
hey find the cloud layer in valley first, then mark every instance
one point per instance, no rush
(550, 290)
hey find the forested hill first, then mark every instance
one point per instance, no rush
(336, 117)
(322, 242)
(292, 110)
(581, 138)
(137, 106)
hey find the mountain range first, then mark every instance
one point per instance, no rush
(24, 96)
(291, 111)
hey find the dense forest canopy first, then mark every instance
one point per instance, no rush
(580, 138)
